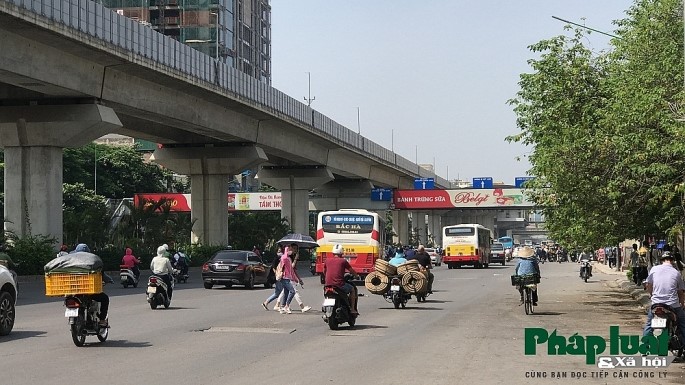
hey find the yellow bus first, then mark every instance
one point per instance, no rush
(466, 245)
(360, 232)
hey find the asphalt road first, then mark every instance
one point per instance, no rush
(471, 331)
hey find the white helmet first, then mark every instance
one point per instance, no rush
(338, 249)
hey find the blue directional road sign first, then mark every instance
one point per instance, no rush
(485, 182)
(520, 180)
(424, 183)
(381, 194)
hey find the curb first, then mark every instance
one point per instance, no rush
(637, 292)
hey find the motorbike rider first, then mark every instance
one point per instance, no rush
(399, 257)
(181, 261)
(527, 264)
(665, 286)
(161, 266)
(541, 254)
(585, 257)
(103, 298)
(426, 265)
(131, 262)
(334, 271)
(63, 250)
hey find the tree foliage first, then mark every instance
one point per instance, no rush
(121, 170)
(607, 147)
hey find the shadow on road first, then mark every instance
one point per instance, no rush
(22, 334)
(419, 307)
(363, 327)
(179, 308)
(123, 344)
(547, 313)
(436, 301)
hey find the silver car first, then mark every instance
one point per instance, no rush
(436, 258)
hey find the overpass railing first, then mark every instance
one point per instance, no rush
(95, 20)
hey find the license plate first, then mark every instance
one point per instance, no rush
(329, 302)
(221, 267)
(151, 289)
(394, 288)
(71, 313)
(658, 322)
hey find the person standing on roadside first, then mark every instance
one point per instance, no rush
(643, 260)
(635, 264)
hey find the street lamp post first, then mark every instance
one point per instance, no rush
(216, 14)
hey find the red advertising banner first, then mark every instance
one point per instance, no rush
(179, 202)
(463, 198)
(236, 201)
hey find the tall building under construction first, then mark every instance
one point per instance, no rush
(237, 32)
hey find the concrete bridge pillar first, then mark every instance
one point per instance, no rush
(400, 226)
(435, 228)
(295, 184)
(209, 168)
(33, 138)
(418, 223)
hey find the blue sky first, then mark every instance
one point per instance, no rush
(430, 77)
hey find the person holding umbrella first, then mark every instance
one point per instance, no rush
(294, 257)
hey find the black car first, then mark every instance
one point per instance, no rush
(239, 267)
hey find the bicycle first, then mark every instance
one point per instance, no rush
(527, 283)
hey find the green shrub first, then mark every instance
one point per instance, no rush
(629, 274)
(31, 253)
(199, 254)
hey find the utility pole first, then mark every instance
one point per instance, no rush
(359, 128)
(309, 99)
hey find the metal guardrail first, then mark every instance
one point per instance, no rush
(95, 20)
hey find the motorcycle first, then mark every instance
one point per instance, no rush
(82, 312)
(584, 270)
(157, 292)
(180, 277)
(396, 295)
(336, 306)
(562, 258)
(127, 277)
(665, 321)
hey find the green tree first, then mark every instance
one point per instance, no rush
(264, 229)
(607, 148)
(121, 171)
(85, 216)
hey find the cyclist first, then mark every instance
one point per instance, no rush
(526, 265)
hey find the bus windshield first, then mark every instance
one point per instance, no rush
(507, 242)
(347, 224)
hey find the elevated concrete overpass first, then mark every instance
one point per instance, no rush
(72, 71)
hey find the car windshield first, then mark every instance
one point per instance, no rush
(497, 247)
(430, 250)
(230, 255)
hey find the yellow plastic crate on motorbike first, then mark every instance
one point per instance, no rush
(58, 284)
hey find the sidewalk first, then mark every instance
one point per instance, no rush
(620, 280)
